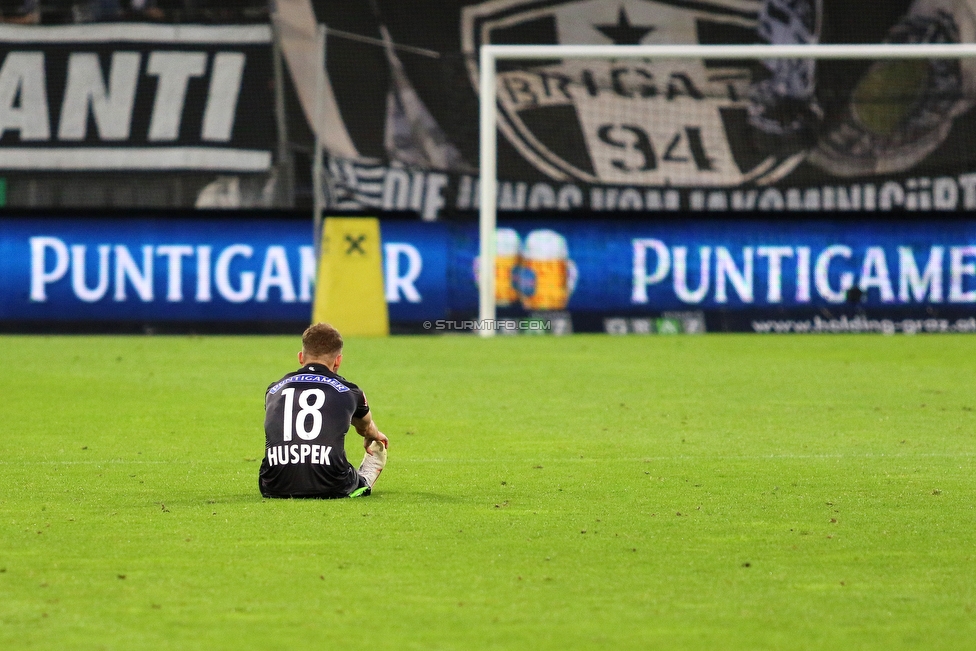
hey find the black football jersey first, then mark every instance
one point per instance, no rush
(307, 415)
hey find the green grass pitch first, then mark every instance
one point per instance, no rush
(716, 492)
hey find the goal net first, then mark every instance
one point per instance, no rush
(640, 123)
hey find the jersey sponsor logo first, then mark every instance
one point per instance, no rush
(629, 121)
(307, 377)
(285, 455)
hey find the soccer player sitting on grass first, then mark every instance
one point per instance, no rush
(307, 415)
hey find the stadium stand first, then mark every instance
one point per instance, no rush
(128, 189)
(20, 12)
(60, 12)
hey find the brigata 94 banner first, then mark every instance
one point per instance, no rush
(629, 134)
(236, 270)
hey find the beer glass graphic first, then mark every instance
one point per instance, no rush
(546, 276)
(508, 245)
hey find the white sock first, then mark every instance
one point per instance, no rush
(373, 464)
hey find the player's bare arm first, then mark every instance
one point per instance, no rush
(366, 428)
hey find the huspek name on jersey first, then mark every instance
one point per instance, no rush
(135, 97)
(626, 121)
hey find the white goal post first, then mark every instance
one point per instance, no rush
(491, 54)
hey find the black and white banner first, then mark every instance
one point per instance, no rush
(634, 134)
(136, 97)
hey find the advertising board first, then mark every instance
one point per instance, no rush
(758, 275)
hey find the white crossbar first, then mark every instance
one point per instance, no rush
(705, 52)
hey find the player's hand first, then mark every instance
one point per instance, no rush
(378, 436)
